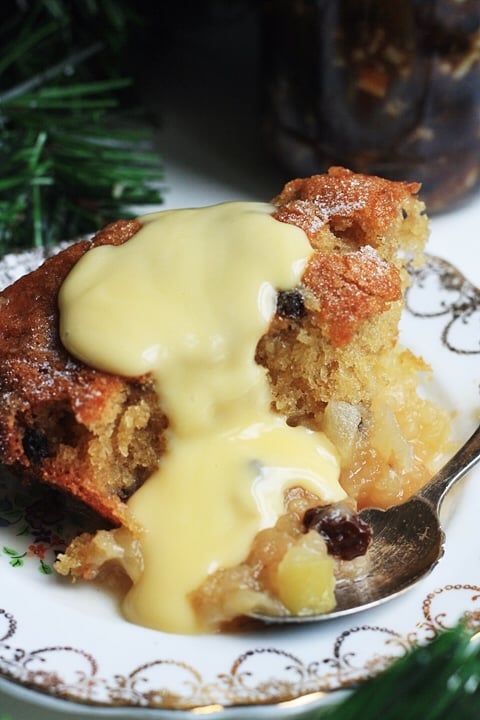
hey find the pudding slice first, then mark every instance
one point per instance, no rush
(208, 380)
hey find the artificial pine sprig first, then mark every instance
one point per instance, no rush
(438, 681)
(70, 160)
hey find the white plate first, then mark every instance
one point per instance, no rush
(70, 642)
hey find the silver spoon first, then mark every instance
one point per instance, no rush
(407, 543)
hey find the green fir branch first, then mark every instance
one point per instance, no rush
(437, 681)
(72, 159)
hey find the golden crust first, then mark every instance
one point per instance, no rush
(357, 207)
(54, 409)
(363, 230)
(353, 274)
(350, 289)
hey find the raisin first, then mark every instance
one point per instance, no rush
(35, 445)
(290, 304)
(347, 536)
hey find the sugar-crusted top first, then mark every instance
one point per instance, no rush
(354, 205)
(346, 217)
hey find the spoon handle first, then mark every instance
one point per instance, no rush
(464, 460)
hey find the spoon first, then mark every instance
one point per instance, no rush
(407, 543)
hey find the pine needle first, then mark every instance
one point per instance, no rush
(72, 159)
(438, 681)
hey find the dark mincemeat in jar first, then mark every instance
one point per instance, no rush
(391, 89)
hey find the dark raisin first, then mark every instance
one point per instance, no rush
(35, 445)
(346, 534)
(290, 304)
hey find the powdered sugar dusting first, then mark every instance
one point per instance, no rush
(376, 264)
(14, 265)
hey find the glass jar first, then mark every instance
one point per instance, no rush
(390, 88)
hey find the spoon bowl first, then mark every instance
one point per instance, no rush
(407, 543)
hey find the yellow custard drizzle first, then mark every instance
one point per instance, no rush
(187, 299)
